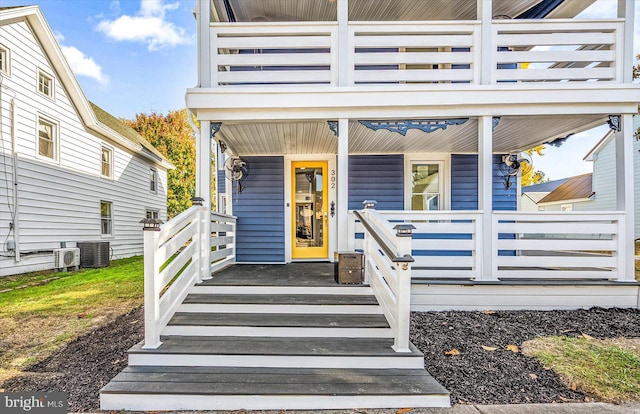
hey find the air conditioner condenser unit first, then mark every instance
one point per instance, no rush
(66, 257)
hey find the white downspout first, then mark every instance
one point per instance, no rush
(14, 162)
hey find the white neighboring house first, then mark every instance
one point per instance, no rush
(603, 155)
(69, 171)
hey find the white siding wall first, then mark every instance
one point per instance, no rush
(60, 200)
(604, 179)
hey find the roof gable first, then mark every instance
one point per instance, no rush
(94, 118)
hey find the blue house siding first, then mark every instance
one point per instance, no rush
(464, 184)
(260, 212)
(376, 177)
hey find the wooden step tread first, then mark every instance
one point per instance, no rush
(272, 381)
(281, 299)
(268, 346)
(279, 320)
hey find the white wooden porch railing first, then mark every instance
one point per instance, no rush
(536, 245)
(388, 272)
(558, 50)
(567, 245)
(269, 53)
(175, 259)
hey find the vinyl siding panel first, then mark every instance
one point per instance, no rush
(464, 184)
(604, 181)
(260, 212)
(376, 177)
(59, 199)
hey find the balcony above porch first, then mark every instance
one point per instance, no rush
(359, 46)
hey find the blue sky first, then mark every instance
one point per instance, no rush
(139, 56)
(129, 56)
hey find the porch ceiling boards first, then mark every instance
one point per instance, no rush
(514, 133)
(377, 10)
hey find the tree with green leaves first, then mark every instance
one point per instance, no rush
(173, 136)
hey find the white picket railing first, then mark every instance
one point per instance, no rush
(414, 52)
(445, 243)
(388, 272)
(566, 245)
(558, 50)
(273, 53)
(295, 53)
(223, 242)
(175, 259)
(535, 245)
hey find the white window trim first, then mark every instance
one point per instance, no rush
(151, 210)
(444, 160)
(566, 207)
(112, 152)
(52, 87)
(156, 183)
(112, 234)
(7, 70)
(56, 139)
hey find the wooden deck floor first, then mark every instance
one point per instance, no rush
(292, 274)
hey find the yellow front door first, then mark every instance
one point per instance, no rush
(310, 230)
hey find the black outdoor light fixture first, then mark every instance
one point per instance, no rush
(404, 230)
(151, 224)
(369, 204)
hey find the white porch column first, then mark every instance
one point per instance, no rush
(624, 195)
(203, 190)
(485, 15)
(485, 196)
(203, 11)
(343, 42)
(343, 184)
(626, 11)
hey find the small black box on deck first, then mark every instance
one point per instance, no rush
(349, 268)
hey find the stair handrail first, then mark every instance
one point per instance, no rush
(387, 267)
(171, 266)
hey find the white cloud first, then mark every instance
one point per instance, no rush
(149, 26)
(84, 65)
(59, 36)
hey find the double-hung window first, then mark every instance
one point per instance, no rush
(47, 139)
(5, 65)
(426, 186)
(153, 180)
(106, 162)
(106, 218)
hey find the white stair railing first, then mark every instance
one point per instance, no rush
(173, 253)
(387, 252)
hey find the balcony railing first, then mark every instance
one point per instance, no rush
(413, 53)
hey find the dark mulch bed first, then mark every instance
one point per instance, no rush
(474, 376)
(502, 376)
(85, 365)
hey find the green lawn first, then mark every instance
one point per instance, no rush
(607, 369)
(40, 318)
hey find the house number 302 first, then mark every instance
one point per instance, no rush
(333, 179)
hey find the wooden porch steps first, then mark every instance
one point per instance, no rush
(233, 388)
(286, 352)
(274, 343)
(281, 303)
